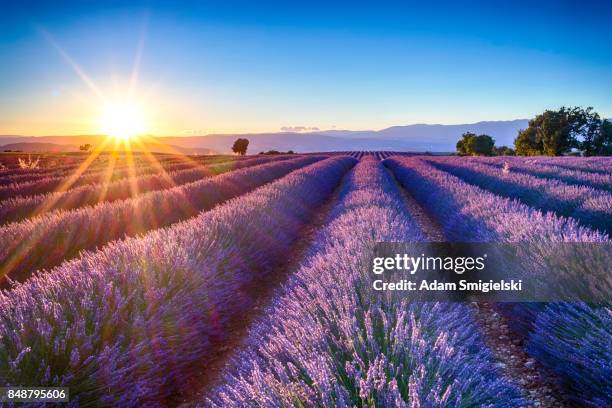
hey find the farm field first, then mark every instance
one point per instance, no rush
(237, 281)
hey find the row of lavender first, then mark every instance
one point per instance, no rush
(541, 167)
(94, 163)
(570, 339)
(67, 163)
(125, 326)
(380, 155)
(74, 178)
(590, 164)
(48, 239)
(18, 208)
(589, 205)
(329, 340)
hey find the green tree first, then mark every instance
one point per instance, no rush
(598, 138)
(240, 146)
(462, 144)
(557, 132)
(503, 151)
(527, 143)
(475, 145)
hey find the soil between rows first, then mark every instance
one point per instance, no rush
(536, 383)
(260, 292)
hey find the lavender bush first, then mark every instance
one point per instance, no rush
(93, 175)
(96, 166)
(47, 240)
(590, 206)
(18, 208)
(572, 176)
(330, 341)
(64, 166)
(573, 340)
(591, 164)
(125, 326)
(468, 213)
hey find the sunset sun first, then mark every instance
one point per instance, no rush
(123, 120)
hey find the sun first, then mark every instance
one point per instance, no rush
(122, 120)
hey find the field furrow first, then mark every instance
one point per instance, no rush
(260, 293)
(330, 341)
(18, 208)
(75, 179)
(578, 177)
(599, 165)
(536, 384)
(589, 206)
(47, 240)
(151, 305)
(96, 164)
(552, 335)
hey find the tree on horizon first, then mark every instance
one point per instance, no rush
(240, 146)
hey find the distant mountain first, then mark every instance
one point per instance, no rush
(504, 132)
(32, 147)
(299, 142)
(67, 144)
(419, 137)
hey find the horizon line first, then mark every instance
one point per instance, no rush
(278, 131)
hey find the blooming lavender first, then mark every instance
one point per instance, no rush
(32, 184)
(573, 340)
(597, 180)
(591, 164)
(47, 240)
(591, 207)
(328, 340)
(67, 166)
(127, 325)
(468, 213)
(18, 208)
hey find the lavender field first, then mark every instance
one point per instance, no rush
(226, 281)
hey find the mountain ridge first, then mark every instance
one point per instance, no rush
(415, 137)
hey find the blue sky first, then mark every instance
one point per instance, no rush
(234, 67)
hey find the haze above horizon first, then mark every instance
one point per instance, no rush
(234, 67)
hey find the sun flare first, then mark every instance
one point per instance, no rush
(123, 120)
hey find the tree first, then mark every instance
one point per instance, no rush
(240, 146)
(85, 147)
(599, 143)
(557, 132)
(527, 143)
(503, 151)
(471, 144)
(462, 144)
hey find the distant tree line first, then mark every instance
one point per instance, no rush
(557, 132)
(272, 152)
(552, 133)
(241, 145)
(472, 144)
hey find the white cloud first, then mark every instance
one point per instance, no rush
(299, 129)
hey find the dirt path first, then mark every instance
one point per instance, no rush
(534, 381)
(261, 292)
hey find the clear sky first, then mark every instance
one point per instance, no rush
(258, 66)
